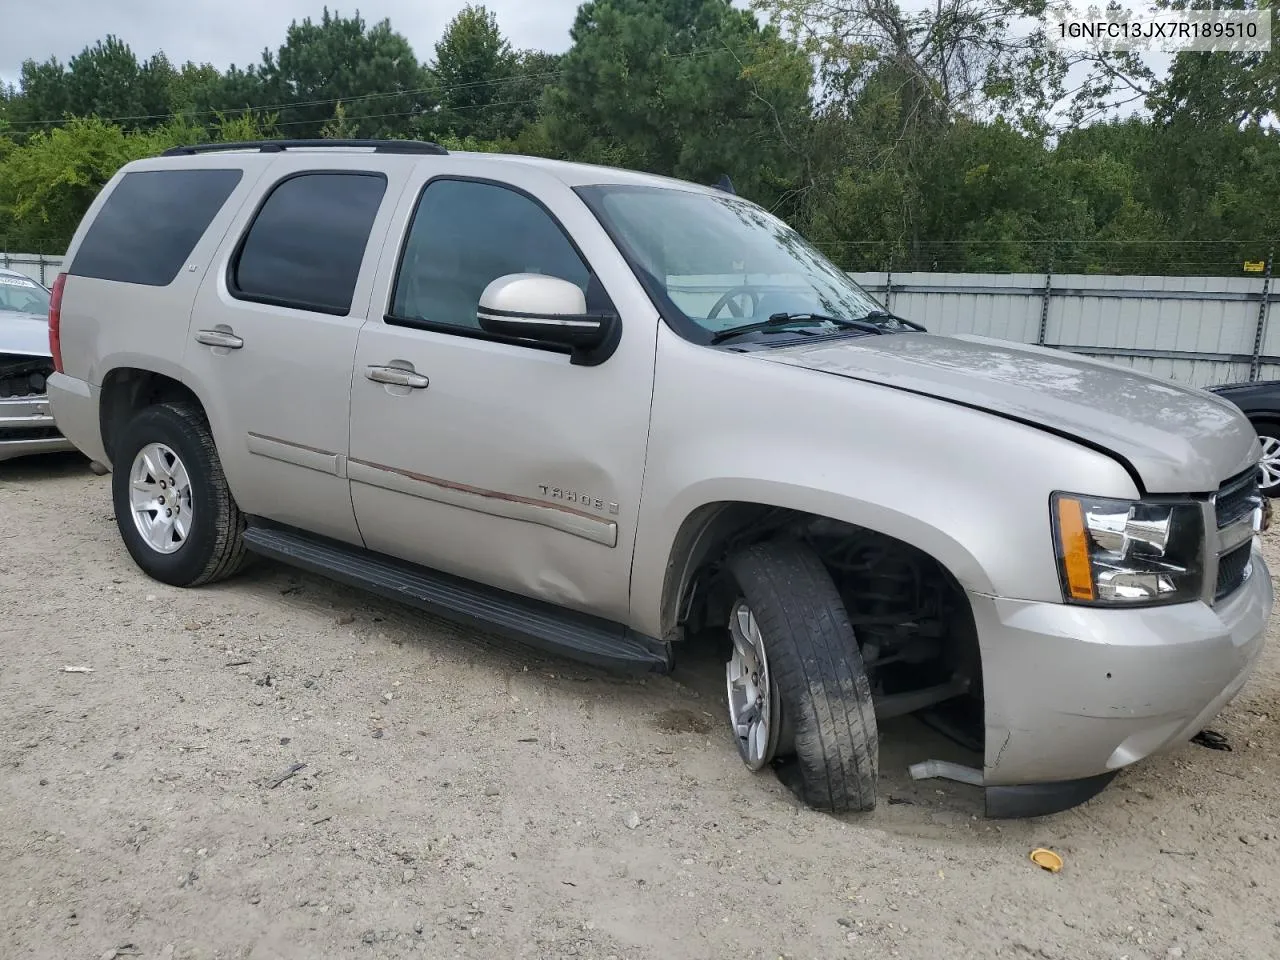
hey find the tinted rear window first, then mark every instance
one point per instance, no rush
(150, 223)
(306, 244)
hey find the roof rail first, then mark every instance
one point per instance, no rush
(278, 146)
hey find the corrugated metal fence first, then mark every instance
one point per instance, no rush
(1197, 330)
(37, 266)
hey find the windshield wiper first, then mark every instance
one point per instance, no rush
(882, 315)
(779, 320)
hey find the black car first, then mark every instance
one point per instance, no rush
(1260, 402)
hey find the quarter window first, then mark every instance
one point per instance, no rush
(150, 223)
(305, 246)
(467, 234)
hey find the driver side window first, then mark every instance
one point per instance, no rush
(464, 235)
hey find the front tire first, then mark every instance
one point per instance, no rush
(796, 680)
(173, 507)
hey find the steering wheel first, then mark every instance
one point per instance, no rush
(727, 301)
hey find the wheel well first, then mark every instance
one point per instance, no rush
(914, 623)
(712, 532)
(128, 390)
(1265, 420)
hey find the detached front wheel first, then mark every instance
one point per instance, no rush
(173, 507)
(795, 678)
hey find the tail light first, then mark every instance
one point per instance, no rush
(55, 321)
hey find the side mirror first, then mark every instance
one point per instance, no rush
(548, 310)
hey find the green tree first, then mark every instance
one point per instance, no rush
(242, 126)
(41, 97)
(1226, 88)
(371, 69)
(234, 91)
(188, 83)
(476, 68)
(338, 127)
(536, 72)
(690, 88)
(948, 58)
(104, 80)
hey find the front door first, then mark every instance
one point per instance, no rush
(273, 336)
(490, 459)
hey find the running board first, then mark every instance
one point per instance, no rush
(536, 623)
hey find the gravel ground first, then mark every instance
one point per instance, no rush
(277, 767)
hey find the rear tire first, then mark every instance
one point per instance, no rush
(816, 692)
(173, 507)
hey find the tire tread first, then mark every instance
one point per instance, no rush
(814, 658)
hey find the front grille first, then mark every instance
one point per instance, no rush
(23, 376)
(1234, 569)
(1237, 498)
(1234, 508)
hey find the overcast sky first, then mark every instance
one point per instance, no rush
(223, 32)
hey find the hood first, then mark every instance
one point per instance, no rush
(1176, 439)
(26, 334)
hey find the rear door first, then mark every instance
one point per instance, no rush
(274, 329)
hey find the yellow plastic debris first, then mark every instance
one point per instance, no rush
(1047, 859)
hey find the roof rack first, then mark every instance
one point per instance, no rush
(278, 146)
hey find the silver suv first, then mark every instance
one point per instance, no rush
(605, 412)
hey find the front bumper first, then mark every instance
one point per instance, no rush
(1074, 694)
(27, 427)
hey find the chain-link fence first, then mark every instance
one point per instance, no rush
(1183, 258)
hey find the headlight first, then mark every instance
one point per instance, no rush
(1127, 552)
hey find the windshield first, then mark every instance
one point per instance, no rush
(720, 261)
(20, 295)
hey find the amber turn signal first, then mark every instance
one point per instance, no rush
(1074, 544)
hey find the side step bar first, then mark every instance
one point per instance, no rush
(536, 623)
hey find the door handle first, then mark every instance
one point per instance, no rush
(397, 376)
(219, 338)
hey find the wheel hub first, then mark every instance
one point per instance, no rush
(751, 712)
(160, 497)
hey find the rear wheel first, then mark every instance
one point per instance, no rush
(173, 508)
(796, 682)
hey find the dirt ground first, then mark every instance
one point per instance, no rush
(455, 797)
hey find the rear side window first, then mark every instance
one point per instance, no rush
(150, 223)
(306, 244)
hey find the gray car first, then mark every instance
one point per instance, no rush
(26, 425)
(608, 413)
